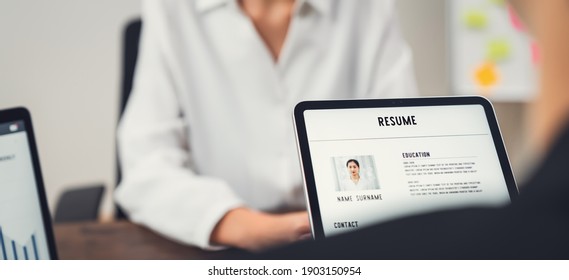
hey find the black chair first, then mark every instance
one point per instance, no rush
(79, 204)
(131, 40)
(82, 203)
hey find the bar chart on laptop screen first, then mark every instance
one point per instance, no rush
(12, 250)
(22, 234)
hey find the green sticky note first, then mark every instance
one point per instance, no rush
(498, 2)
(499, 50)
(475, 19)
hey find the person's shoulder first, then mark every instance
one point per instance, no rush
(164, 14)
(169, 6)
(368, 16)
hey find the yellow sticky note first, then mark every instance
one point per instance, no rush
(475, 19)
(486, 75)
(498, 50)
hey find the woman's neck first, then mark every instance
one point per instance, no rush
(271, 19)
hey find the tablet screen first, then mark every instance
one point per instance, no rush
(22, 230)
(375, 164)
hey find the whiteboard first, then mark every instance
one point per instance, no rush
(491, 53)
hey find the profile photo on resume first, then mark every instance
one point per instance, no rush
(355, 173)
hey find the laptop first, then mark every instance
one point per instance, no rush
(25, 223)
(371, 161)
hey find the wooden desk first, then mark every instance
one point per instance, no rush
(126, 241)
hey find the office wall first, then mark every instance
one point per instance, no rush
(61, 59)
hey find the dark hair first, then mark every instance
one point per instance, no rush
(354, 161)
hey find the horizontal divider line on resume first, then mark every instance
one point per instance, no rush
(405, 137)
(441, 158)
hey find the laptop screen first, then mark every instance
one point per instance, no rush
(22, 230)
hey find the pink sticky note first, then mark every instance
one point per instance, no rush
(516, 22)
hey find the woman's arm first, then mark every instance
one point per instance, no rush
(159, 188)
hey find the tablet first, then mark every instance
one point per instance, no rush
(370, 161)
(25, 222)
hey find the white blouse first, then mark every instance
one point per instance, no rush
(208, 127)
(362, 185)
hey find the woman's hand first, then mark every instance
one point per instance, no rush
(256, 231)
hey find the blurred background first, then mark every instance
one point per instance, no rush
(62, 60)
